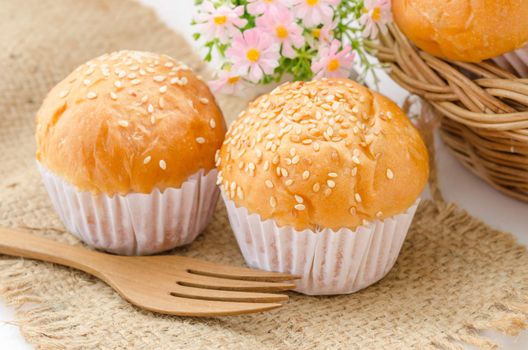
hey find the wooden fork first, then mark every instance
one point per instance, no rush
(168, 284)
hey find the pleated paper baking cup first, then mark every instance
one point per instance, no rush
(329, 262)
(136, 223)
(515, 61)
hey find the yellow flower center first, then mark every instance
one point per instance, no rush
(332, 65)
(233, 80)
(316, 33)
(281, 32)
(312, 2)
(376, 14)
(253, 55)
(219, 20)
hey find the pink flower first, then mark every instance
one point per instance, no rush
(315, 12)
(222, 22)
(254, 54)
(280, 24)
(332, 63)
(326, 32)
(259, 7)
(227, 82)
(376, 15)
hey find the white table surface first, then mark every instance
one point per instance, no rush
(457, 185)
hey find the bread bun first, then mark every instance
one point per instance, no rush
(328, 153)
(464, 30)
(129, 122)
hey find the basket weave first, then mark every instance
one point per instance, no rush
(483, 109)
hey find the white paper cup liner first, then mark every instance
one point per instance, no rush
(515, 62)
(329, 262)
(136, 223)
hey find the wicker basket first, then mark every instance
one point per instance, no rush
(483, 109)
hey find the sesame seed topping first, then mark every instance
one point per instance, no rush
(87, 82)
(162, 164)
(298, 199)
(390, 174)
(135, 82)
(64, 93)
(240, 192)
(161, 102)
(200, 140)
(204, 100)
(113, 95)
(300, 207)
(123, 123)
(150, 108)
(330, 183)
(332, 175)
(306, 175)
(268, 183)
(91, 95)
(147, 160)
(352, 211)
(118, 84)
(163, 89)
(316, 187)
(273, 202)
(159, 78)
(212, 123)
(288, 182)
(358, 198)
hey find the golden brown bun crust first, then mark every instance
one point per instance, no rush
(347, 153)
(464, 30)
(114, 123)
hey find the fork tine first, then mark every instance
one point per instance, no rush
(240, 273)
(221, 295)
(173, 305)
(207, 282)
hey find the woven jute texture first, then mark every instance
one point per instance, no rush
(454, 276)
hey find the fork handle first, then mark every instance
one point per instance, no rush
(26, 245)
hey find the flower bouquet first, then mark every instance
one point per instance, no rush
(262, 41)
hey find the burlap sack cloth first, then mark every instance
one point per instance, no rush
(455, 275)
